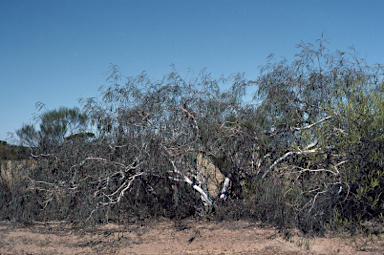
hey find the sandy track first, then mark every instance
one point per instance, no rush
(180, 237)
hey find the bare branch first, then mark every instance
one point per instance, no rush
(313, 124)
(224, 191)
(286, 155)
(309, 170)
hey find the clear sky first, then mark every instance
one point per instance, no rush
(56, 51)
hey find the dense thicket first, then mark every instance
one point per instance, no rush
(305, 152)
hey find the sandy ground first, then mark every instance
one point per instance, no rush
(175, 237)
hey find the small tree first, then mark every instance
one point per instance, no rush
(317, 113)
(55, 126)
(359, 116)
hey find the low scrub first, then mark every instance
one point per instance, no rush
(306, 152)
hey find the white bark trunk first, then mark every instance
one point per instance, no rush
(223, 194)
(204, 197)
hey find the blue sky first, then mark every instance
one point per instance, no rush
(56, 51)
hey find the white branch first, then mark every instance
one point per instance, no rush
(201, 179)
(285, 156)
(311, 145)
(203, 195)
(93, 158)
(311, 170)
(126, 187)
(224, 191)
(338, 164)
(313, 124)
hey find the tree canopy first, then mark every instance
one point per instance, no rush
(54, 126)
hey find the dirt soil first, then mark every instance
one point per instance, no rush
(176, 237)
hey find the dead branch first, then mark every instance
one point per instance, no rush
(287, 155)
(313, 124)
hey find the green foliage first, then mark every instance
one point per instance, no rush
(360, 114)
(54, 126)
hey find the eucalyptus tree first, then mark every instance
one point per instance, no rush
(153, 131)
(54, 126)
(358, 117)
(305, 109)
